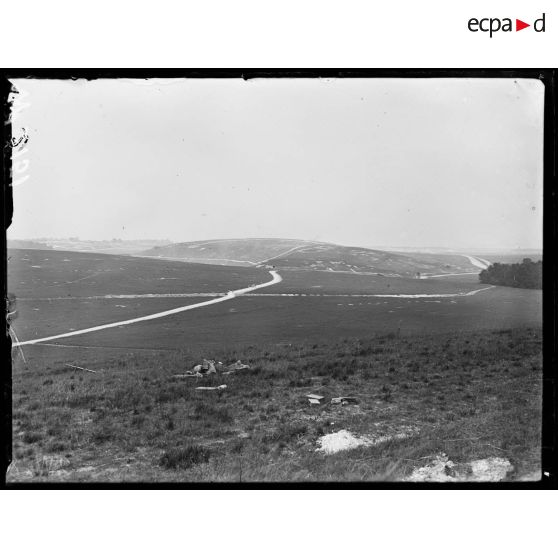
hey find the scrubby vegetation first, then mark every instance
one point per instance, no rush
(184, 458)
(468, 395)
(525, 275)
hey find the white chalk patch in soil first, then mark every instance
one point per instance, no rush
(493, 469)
(441, 469)
(339, 441)
(48, 464)
(345, 440)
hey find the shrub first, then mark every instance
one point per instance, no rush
(102, 434)
(32, 437)
(56, 446)
(184, 458)
(285, 433)
(386, 394)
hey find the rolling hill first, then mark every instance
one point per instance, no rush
(299, 255)
(114, 246)
(242, 251)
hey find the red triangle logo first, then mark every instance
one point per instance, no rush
(519, 25)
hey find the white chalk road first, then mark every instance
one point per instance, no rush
(222, 298)
(481, 263)
(230, 295)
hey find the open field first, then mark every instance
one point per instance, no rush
(324, 282)
(43, 318)
(119, 290)
(470, 396)
(59, 291)
(53, 273)
(256, 319)
(445, 372)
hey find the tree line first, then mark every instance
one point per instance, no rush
(525, 275)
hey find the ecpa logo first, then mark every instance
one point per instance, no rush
(494, 24)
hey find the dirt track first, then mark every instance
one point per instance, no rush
(230, 295)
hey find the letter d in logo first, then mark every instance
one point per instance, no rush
(539, 24)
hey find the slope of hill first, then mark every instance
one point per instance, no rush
(114, 246)
(333, 258)
(27, 245)
(241, 251)
(292, 254)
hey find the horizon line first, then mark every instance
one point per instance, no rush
(382, 247)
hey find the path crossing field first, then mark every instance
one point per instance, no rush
(122, 301)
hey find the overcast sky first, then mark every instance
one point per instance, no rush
(371, 162)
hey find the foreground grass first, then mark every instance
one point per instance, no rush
(469, 395)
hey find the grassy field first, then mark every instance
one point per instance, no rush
(60, 291)
(323, 282)
(42, 318)
(53, 273)
(44, 308)
(454, 374)
(261, 319)
(471, 396)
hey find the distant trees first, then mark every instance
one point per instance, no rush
(525, 275)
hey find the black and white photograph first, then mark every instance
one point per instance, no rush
(276, 279)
